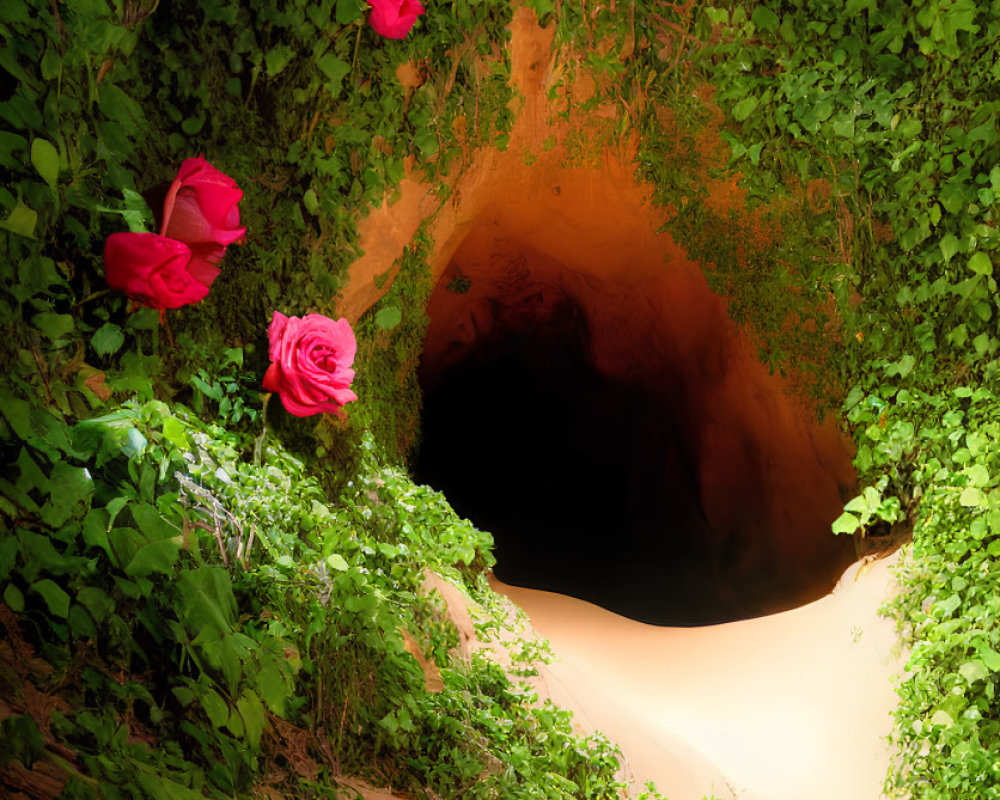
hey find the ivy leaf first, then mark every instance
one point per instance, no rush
(949, 246)
(989, 656)
(107, 339)
(21, 220)
(969, 497)
(335, 71)
(974, 671)
(745, 108)
(337, 562)
(978, 475)
(388, 317)
(349, 10)
(54, 326)
(765, 19)
(277, 59)
(942, 717)
(55, 598)
(45, 159)
(14, 598)
(96, 601)
(272, 688)
(980, 263)
(846, 523)
(254, 716)
(207, 599)
(159, 556)
(215, 707)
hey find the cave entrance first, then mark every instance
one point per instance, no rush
(588, 401)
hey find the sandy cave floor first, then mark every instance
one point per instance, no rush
(792, 706)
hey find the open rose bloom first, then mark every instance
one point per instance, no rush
(394, 18)
(177, 266)
(312, 358)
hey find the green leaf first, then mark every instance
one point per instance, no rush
(55, 598)
(207, 599)
(942, 717)
(277, 59)
(192, 125)
(254, 716)
(974, 671)
(903, 367)
(96, 601)
(745, 108)
(980, 263)
(335, 71)
(970, 497)
(21, 220)
(55, 326)
(311, 201)
(159, 556)
(989, 656)
(948, 606)
(175, 433)
(14, 598)
(137, 213)
(124, 110)
(69, 492)
(337, 562)
(542, 7)
(152, 523)
(349, 11)
(765, 19)
(235, 723)
(388, 317)
(107, 339)
(21, 740)
(273, 688)
(215, 707)
(846, 523)
(45, 159)
(978, 475)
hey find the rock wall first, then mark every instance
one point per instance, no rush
(551, 255)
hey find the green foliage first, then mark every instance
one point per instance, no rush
(865, 137)
(212, 600)
(890, 109)
(157, 544)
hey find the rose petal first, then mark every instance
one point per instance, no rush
(311, 359)
(151, 269)
(394, 18)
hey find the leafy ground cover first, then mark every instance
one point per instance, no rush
(867, 133)
(203, 596)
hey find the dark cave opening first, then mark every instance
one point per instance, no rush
(618, 443)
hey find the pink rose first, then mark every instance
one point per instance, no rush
(312, 363)
(152, 270)
(200, 218)
(394, 18)
(201, 206)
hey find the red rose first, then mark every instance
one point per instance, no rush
(394, 18)
(200, 218)
(201, 210)
(201, 206)
(152, 270)
(312, 363)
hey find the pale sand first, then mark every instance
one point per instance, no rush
(794, 706)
